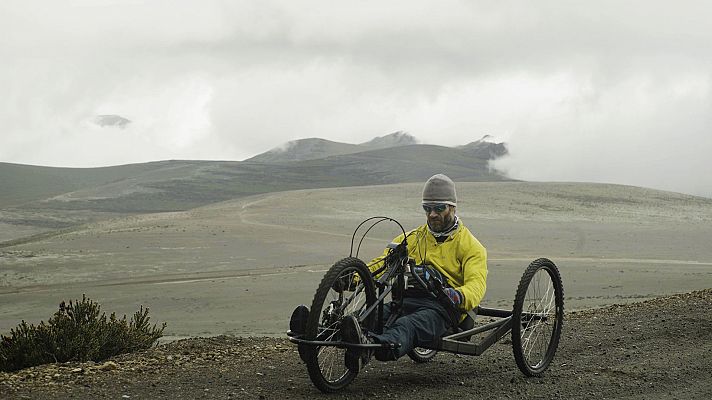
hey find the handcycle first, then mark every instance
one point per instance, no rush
(349, 287)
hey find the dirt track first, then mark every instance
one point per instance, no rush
(658, 349)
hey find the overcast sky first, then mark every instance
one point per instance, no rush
(605, 91)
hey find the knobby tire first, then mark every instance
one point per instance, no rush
(538, 317)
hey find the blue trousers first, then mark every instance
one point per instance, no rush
(422, 320)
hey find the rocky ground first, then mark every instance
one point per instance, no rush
(658, 349)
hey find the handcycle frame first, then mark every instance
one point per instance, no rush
(451, 342)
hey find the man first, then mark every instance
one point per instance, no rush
(449, 250)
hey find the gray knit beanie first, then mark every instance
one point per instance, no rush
(440, 189)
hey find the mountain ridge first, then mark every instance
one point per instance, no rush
(315, 148)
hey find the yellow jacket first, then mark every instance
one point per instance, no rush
(461, 258)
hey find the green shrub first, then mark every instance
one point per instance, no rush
(77, 332)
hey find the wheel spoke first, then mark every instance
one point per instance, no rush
(329, 361)
(536, 332)
(328, 356)
(355, 302)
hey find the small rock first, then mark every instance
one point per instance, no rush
(108, 366)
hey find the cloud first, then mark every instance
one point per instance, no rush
(642, 131)
(607, 92)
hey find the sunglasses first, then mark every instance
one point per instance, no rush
(438, 208)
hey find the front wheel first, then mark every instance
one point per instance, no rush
(422, 355)
(537, 317)
(346, 289)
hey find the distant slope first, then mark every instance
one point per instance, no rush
(315, 148)
(25, 183)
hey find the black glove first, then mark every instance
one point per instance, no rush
(454, 295)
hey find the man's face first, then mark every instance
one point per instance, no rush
(440, 216)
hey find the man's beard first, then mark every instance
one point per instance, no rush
(449, 224)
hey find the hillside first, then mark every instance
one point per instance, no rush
(196, 269)
(657, 349)
(42, 198)
(181, 185)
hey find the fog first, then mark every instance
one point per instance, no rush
(580, 91)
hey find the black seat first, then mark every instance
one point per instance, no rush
(468, 323)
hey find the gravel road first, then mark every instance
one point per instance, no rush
(658, 349)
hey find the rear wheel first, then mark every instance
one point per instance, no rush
(537, 317)
(346, 289)
(422, 355)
